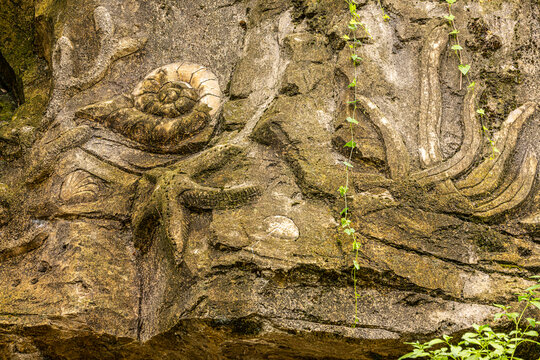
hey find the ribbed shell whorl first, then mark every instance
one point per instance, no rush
(172, 110)
(174, 89)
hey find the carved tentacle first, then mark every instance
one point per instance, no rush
(397, 155)
(463, 159)
(44, 157)
(430, 97)
(487, 176)
(211, 159)
(110, 50)
(206, 198)
(515, 193)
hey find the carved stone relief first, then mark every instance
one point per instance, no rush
(192, 212)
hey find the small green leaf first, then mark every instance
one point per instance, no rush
(534, 287)
(481, 111)
(471, 85)
(343, 190)
(351, 120)
(350, 144)
(456, 47)
(512, 315)
(434, 342)
(352, 84)
(356, 265)
(356, 246)
(344, 211)
(451, 1)
(356, 58)
(531, 333)
(449, 17)
(535, 303)
(349, 231)
(453, 32)
(464, 69)
(346, 37)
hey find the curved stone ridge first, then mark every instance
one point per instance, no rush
(430, 98)
(396, 152)
(486, 177)
(515, 193)
(172, 110)
(111, 49)
(462, 160)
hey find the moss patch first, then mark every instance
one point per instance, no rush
(20, 47)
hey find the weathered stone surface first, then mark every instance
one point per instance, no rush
(169, 188)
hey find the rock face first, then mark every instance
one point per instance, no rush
(178, 198)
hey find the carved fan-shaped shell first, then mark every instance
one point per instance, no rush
(79, 187)
(172, 110)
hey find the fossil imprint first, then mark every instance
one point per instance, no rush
(484, 183)
(172, 110)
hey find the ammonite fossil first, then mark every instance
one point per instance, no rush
(172, 110)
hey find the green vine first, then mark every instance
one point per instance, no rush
(356, 32)
(384, 14)
(354, 26)
(464, 71)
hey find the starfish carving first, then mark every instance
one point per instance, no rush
(174, 109)
(447, 174)
(165, 197)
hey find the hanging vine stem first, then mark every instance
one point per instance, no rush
(464, 71)
(354, 25)
(384, 14)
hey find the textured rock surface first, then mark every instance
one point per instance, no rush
(136, 224)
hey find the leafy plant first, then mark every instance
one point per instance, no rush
(464, 71)
(354, 42)
(456, 46)
(484, 343)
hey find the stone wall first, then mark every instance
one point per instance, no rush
(176, 197)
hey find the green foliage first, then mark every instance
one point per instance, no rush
(356, 32)
(484, 343)
(464, 71)
(354, 42)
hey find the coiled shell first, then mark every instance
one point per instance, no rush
(172, 110)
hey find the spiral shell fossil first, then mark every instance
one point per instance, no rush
(172, 110)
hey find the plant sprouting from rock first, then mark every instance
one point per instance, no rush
(354, 42)
(484, 342)
(464, 71)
